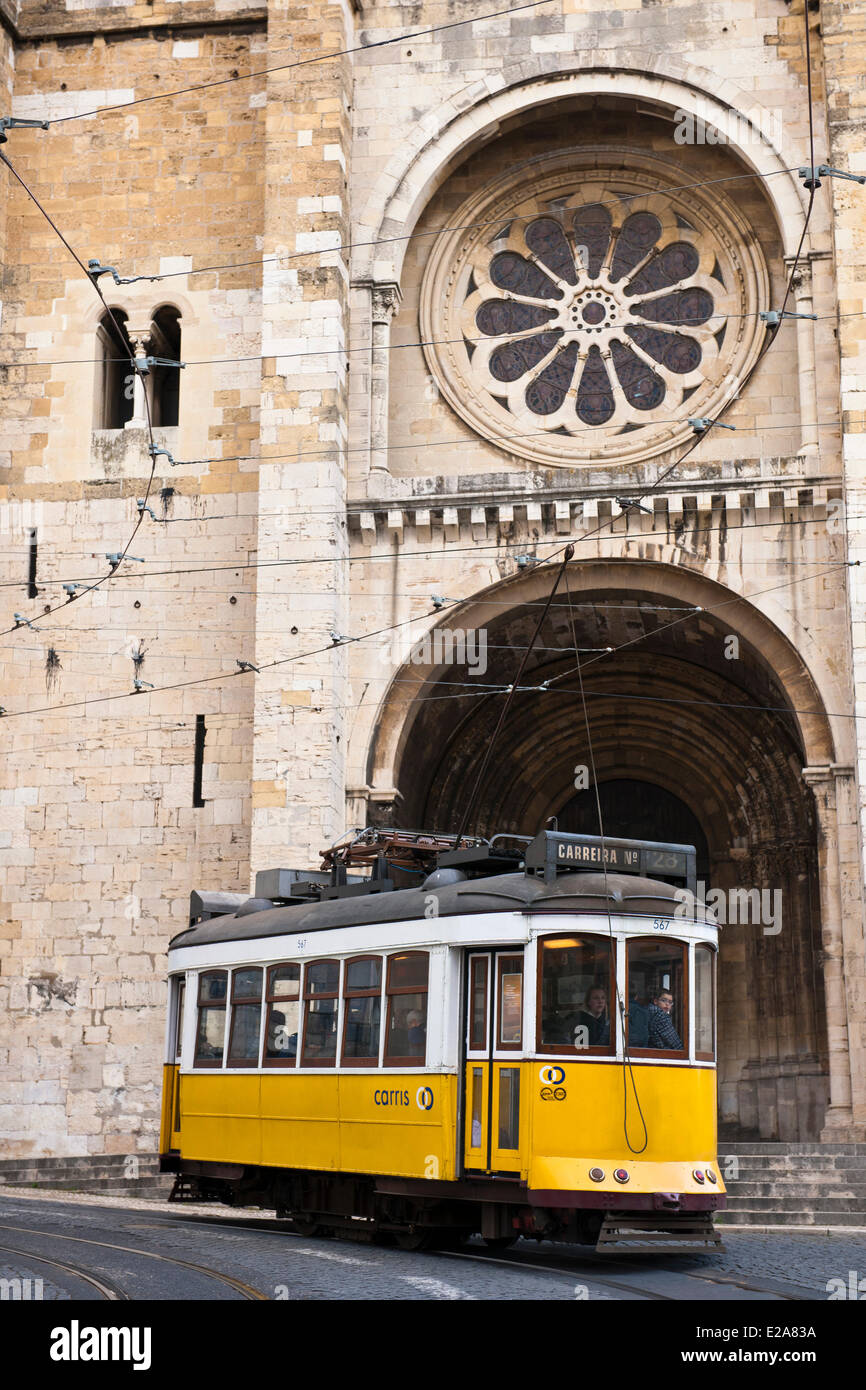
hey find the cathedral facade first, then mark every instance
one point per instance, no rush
(452, 284)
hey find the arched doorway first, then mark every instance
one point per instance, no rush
(636, 810)
(692, 733)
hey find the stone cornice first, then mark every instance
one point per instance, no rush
(553, 514)
(96, 24)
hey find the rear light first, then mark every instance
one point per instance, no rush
(597, 1174)
(711, 1177)
(620, 1174)
(697, 1174)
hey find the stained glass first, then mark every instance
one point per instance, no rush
(675, 263)
(674, 350)
(592, 230)
(508, 271)
(595, 403)
(502, 316)
(638, 235)
(546, 238)
(643, 389)
(682, 306)
(611, 368)
(547, 393)
(513, 360)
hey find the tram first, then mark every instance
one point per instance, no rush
(522, 1044)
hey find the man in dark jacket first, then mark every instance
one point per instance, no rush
(662, 1032)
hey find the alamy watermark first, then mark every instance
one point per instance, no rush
(444, 646)
(854, 1288)
(735, 906)
(19, 519)
(724, 128)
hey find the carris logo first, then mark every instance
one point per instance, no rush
(424, 1098)
(552, 1076)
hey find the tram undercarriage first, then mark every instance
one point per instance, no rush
(423, 1215)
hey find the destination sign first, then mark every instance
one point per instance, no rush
(554, 851)
(614, 856)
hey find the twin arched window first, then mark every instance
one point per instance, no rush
(153, 335)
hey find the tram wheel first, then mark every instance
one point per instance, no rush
(305, 1226)
(412, 1240)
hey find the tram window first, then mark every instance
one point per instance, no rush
(211, 1030)
(284, 1010)
(574, 994)
(178, 1018)
(704, 1029)
(477, 1099)
(510, 1002)
(246, 1018)
(509, 1108)
(657, 1012)
(406, 1031)
(362, 992)
(321, 1003)
(478, 1007)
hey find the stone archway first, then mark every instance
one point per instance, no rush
(723, 727)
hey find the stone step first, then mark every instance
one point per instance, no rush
(744, 1216)
(154, 1183)
(813, 1193)
(85, 1161)
(773, 1202)
(40, 1176)
(770, 1149)
(778, 1162)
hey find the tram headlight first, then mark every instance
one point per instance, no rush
(597, 1174)
(698, 1174)
(711, 1175)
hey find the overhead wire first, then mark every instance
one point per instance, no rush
(324, 57)
(347, 641)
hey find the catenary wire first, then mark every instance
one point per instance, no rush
(495, 548)
(392, 627)
(439, 231)
(299, 63)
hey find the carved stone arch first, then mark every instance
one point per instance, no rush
(785, 645)
(444, 137)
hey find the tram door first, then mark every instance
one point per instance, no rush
(494, 1043)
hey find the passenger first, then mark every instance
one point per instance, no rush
(638, 1023)
(593, 1017)
(662, 1032)
(416, 1033)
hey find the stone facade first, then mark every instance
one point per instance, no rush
(334, 484)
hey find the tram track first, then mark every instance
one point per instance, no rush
(526, 1262)
(245, 1290)
(104, 1288)
(578, 1265)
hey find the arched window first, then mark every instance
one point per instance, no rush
(165, 381)
(120, 397)
(114, 373)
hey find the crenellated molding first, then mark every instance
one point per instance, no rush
(548, 515)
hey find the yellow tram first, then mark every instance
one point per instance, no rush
(523, 1044)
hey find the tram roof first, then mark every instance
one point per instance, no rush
(621, 894)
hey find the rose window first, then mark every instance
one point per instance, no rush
(593, 321)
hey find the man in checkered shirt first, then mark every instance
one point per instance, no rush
(662, 1032)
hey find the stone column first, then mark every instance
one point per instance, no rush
(843, 27)
(802, 297)
(139, 338)
(839, 1117)
(385, 301)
